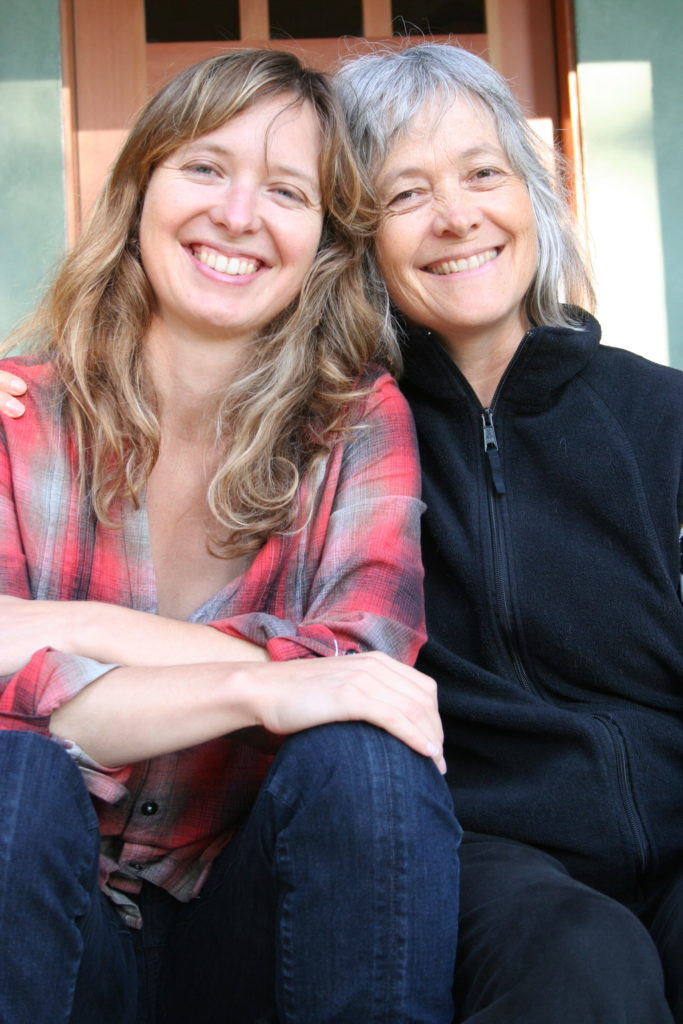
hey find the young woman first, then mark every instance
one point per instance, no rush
(210, 493)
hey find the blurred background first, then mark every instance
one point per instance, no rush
(602, 79)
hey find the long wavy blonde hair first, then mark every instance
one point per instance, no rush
(292, 398)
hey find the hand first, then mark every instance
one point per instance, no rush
(10, 387)
(295, 695)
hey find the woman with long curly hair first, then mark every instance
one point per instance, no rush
(213, 489)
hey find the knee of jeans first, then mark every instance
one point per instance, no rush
(350, 759)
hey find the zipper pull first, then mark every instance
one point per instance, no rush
(491, 451)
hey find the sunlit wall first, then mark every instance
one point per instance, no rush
(32, 216)
(630, 75)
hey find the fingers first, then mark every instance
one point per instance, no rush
(10, 387)
(367, 687)
(404, 706)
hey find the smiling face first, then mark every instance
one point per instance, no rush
(232, 220)
(457, 242)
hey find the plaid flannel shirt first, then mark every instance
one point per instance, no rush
(348, 578)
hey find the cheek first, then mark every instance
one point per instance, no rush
(149, 231)
(531, 256)
(303, 252)
(391, 258)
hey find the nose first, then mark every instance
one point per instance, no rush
(237, 209)
(456, 212)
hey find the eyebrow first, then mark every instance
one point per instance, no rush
(287, 169)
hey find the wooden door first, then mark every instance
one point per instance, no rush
(113, 58)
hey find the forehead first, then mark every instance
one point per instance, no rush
(448, 126)
(275, 125)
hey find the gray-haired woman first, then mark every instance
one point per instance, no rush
(552, 476)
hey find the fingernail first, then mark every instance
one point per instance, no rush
(13, 408)
(16, 386)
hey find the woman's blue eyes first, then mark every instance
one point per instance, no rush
(208, 171)
(201, 171)
(407, 194)
(288, 193)
(483, 175)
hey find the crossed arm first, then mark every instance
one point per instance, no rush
(194, 682)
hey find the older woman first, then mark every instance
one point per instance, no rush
(552, 477)
(208, 494)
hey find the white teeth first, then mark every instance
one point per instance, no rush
(233, 265)
(469, 263)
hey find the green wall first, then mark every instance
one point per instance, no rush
(32, 211)
(630, 68)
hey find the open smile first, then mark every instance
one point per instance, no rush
(232, 266)
(464, 263)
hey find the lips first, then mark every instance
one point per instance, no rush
(233, 266)
(456, 266)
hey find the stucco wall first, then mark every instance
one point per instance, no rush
(631, 87)
(31, 160)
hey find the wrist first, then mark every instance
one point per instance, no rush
(246, 693)
(81, 628)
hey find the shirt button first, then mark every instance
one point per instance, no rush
(135, 865)
(149, 807)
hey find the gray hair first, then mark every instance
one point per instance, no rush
(382, 91)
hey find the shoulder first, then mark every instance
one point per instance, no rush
(382, 396)
(629, 376)
(38, 372)
(382, 431)
(43, 400)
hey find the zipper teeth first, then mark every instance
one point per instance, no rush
(502, 593)
(509, 637)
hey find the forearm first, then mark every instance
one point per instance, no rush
(132, 714)
(112, 634)
(154, 640)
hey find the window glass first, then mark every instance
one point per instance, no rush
(438, 17)
(181, 21)
(311, 19)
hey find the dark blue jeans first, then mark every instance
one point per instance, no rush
(337, 901)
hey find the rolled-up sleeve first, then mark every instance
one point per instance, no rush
(51, 678)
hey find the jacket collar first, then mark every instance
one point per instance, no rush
(546, 359)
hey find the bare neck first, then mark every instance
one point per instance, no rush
(483, 361)
(189, 377)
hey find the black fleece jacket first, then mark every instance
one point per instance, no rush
(551, 547)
